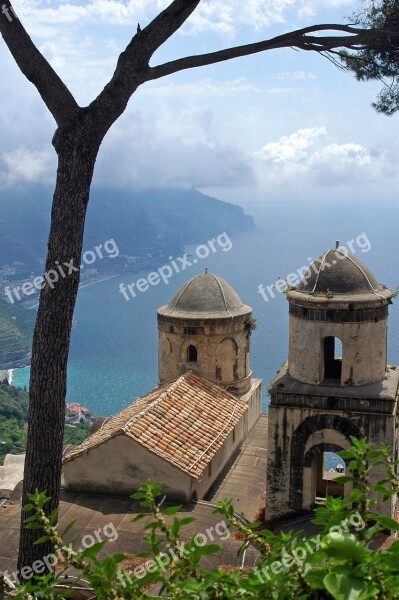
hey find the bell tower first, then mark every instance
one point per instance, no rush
(336, 383)
(206, 328)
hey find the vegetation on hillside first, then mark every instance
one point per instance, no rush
(14, 403)
(13, 422)
(16, 332)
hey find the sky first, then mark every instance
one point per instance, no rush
(282, 125)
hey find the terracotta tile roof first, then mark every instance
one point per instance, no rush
(184, 421)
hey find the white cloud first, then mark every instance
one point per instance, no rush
(295, 76)
(310, 157)
(112, 12)
(309, 8)
(226, 16)
(294, 147)
(221, 16)
(155, 153)
(284, 90)
(206, 87)
(24, 165)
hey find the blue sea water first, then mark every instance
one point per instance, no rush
(113, 356)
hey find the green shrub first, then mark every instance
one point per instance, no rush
(342, 565)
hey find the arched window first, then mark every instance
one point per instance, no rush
(332, 358)
(192, 354)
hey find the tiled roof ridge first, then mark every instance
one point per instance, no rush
(164, 395)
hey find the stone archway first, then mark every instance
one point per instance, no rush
(314, 483)
(319, 449)
(299, 459)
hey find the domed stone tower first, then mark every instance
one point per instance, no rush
(338, 323)
(336, 384)
(206, 328)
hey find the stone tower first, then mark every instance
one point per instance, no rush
(322, 397)
(206, 328)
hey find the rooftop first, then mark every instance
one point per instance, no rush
(205, 296)
(340, 273)
(184, 421)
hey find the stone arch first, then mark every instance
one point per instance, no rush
(313, 482)
(192, 353)
(227, 359)
(301, 435)
(184, 349)
(320, 449)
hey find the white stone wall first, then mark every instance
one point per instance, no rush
(364, 349)
(120, 466)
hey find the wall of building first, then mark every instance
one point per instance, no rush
(120, 466)
(253, 398)
(222, 347)
(219, 462)
(364, 348)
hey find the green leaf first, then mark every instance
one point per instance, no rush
(172, 510)
(187, 520)
(344, 586)
(382, 490)
(93, 551)
(175, 527)
(343, 545)
(33, 526)
(387, 523)
(68, 528)
(253, 525)
(375, 454)
(41, 540)
(141, 516)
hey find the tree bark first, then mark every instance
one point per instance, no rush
(52, 332)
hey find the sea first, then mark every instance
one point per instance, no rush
(113, 354)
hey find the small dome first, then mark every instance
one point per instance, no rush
(338, 272)
(205, 296)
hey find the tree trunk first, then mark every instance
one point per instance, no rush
(48, 380)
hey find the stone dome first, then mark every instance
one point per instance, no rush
(338, 272)
(205, 296)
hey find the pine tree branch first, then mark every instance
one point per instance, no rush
(357, 39)
(35, 67)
